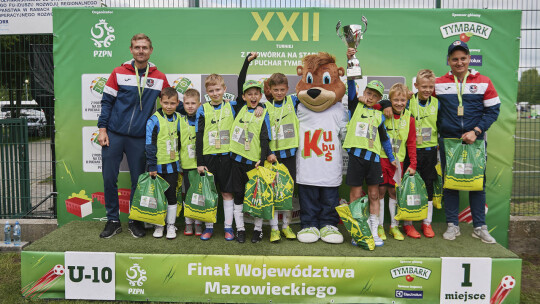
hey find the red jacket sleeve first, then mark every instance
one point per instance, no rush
(411, 143)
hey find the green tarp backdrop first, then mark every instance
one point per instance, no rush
(192, 43)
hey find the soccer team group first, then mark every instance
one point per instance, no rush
(230, 138)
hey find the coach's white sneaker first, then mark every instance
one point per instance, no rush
(451, 232)
(330, 234)
(308, 235)
(483, 234)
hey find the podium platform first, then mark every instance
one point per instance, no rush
(73, 262)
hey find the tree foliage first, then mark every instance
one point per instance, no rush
(529, 87)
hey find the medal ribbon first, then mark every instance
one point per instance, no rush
(139, 88)
(276, 124)
(460, 89)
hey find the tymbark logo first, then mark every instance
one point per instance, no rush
(287, 26)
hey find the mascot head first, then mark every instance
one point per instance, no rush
(320, 86)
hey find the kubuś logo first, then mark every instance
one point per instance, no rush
(97, 86)
(182, 84)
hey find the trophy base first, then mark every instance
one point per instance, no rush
(354, 73)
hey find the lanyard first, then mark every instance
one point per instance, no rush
(139, 88)
(220, 115)
(246, 123)
(397, 135)
(460, 89)
(370, 117)
(168, 126)
(277, 125)
(191, 135)
(418, 120)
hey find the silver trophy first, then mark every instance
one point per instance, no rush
(351, 35)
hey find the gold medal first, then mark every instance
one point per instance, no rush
(173, 155)
(460, 110)
(218, 142)
(371, 143)
(419, 138)
(247, 145)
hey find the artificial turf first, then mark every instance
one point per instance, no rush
(84, 236)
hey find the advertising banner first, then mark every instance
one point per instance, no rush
(279, 279)
(33, 16)
(189, 44)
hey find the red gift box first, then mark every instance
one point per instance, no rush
(79, 207)
(99, 196)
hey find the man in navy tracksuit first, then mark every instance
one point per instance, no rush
(469, 105)
(129, 99)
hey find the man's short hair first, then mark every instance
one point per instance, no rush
(425, 74)
(214, 79)
(397, 89)
(277, 79)
(141, 36)
(169, 92)
(192, 93)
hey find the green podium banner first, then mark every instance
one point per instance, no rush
(264, 279)
(189, 44)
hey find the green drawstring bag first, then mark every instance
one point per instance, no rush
(282, 185)
(259, 197)
(149, 201)
(412, 199)
(201, 198)
(355, 218)
(465, 165)
(437, 188)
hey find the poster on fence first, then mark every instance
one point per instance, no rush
(192, 43)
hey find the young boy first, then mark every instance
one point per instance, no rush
(365, 135)
(192, 101)
(402, 132)
(162, 133)
(249, 148)
(424, 107)
(213, 124)
(284, 143)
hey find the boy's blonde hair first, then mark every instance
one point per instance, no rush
(277, 79)
(425, 74)
(398, 88)
(192, 93)
(214, 79)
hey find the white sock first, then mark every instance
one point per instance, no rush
(189, 221)
(374, 218)
(228, 212)
(258, 223)
(381, 211)
(407, 223)
(209, 225)
(427, 220)
(171, 214)
(197, 222)
(274, 221)
(286, 218)
(239, 217)
(392, 208)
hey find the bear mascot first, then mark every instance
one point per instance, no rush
(319, 161)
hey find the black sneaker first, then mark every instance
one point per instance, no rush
(257, 236)
(241, 236)
(111, 228)
(136, 229)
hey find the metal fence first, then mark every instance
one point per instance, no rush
(26, 74)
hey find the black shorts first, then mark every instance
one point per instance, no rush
(185, 179)
(220, 167)
(360, 169)
(427, 160)
(239, 180)
(290, 163)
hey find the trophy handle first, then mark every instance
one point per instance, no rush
(364, 20)
(338, 26)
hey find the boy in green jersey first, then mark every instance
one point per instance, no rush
(284, 143)
(250, 136)
(188, 161)
(162, 133)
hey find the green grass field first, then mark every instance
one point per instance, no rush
(526, 186)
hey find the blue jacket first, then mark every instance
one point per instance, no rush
(122, 111)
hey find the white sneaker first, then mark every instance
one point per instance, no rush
(308, 235)
(171, 231)
(483, 234)
(158, 231)
(452, 232)
(330, 234)
(373, 223)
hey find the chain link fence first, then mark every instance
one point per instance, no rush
(26, 92)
